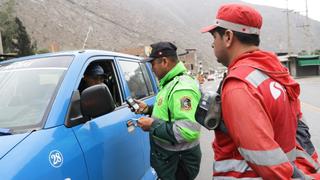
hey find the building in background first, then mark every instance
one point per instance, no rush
(299, 66)
(191, 61)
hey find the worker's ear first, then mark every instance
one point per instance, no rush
(165, 61)
(228, 37)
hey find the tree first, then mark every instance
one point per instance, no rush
(15, 38)
(23, 45)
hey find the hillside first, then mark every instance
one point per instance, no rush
(116, 25)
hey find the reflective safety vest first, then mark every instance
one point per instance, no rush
(176, 103)
(261, 122)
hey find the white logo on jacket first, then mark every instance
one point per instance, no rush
(276, 89)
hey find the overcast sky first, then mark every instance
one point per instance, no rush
(295, 5)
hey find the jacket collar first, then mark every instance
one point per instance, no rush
(178, 69)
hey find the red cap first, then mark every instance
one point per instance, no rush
(237, 17)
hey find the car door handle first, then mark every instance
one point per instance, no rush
(131, 125)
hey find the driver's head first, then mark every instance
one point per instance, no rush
(94, 75)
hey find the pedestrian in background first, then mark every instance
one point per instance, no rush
(174, 133)
(260, 105)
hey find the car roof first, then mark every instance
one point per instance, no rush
(87, 52)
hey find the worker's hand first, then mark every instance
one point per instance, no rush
(143, 107)
(145, 123)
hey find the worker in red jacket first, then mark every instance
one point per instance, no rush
(260, 105)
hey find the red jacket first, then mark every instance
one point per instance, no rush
(260, 108)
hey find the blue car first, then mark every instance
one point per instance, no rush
(51, 129)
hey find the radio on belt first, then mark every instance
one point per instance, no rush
(208, 112)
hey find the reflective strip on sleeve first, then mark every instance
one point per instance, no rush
(292, 155)
(231, 165)
(192, 127)
(264, 158)
(306, 156)
(256, 77)
(176, 147)
(233, 178)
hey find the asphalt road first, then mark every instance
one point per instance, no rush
(310, 101)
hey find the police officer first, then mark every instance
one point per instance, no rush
(174, 133)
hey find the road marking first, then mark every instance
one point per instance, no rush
(310, 106)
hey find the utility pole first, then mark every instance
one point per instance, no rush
(288, 30)
(1, 47)
(307, 32)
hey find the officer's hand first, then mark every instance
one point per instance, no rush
(145, 123)
(143, 107)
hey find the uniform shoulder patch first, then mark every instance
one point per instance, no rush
(185, 103)
(159, 101)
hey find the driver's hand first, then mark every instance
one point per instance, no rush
(143, 107)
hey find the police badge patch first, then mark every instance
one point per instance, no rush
(160, 101)
(185, 103)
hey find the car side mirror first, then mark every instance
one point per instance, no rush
(96, 101)
(93, 102)
(74, 115)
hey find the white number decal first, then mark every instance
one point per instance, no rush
(55, 158)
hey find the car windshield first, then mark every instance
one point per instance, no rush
(27, 88)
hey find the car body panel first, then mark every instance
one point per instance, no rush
(110, 134)
(102, 148)
(31, 158)
(8, 142)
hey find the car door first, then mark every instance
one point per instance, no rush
(139, 84)
(112, 150)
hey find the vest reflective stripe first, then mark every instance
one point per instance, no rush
(264, 158)
(297, 173)
(176, 147)
(193, 126)
(241, 165)
(306, 156)
(292, 155)
(256, 77)
(231, 165)
(233, 178)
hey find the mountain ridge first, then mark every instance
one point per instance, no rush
(117, 25)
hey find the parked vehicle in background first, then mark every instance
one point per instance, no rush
(211, 77)
(51, 130)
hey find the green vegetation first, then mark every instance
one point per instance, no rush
(15, 38)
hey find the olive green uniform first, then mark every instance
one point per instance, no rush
(174, 134)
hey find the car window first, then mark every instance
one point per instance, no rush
(26, 88)
(137, 79)
(147, 78)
